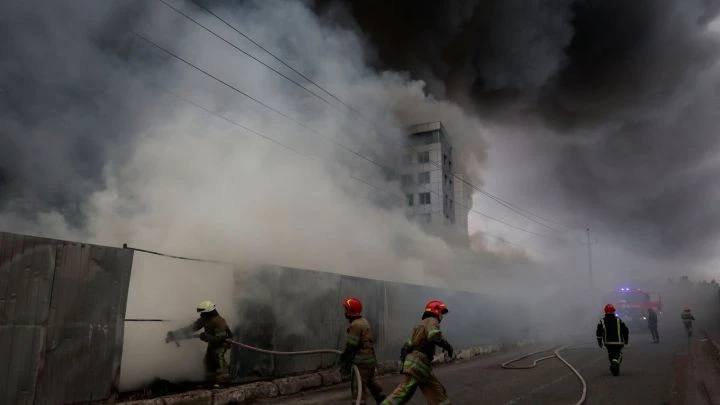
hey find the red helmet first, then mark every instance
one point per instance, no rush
(609, 309)
(687, 309)
(353, 307)
(436, 307)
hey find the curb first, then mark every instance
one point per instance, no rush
(292, 385)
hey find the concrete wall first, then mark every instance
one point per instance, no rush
(61, 326)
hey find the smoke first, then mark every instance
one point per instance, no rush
(111, 141)
(612, 102)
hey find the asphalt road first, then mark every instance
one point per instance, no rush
(647, 377)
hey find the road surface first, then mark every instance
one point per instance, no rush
(649, 374)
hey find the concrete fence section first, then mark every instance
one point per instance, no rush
(61, 320)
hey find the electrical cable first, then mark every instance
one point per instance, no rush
(516, 209)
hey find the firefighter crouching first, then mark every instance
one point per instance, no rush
(360, 351)
(418, 353)
(612, 332)
(216, 332)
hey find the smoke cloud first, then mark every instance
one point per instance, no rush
(109, 139)
(613, 103)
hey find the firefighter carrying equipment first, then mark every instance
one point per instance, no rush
(360, 351)
(215, 333)
(417, 355)
(353, 307)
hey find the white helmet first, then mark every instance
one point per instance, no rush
(205, 306)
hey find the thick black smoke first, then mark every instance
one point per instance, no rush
(628, 89)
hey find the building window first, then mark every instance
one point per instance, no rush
(407, 160)
(424, 157)
(410, 200)
(424, 198)
(406, 179)
(446, 178)
(424, 178)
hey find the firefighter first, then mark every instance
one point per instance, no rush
(612, 332)
(653, 325)
(688, 318)
(360, 351)
(417, 355)
(215, 333)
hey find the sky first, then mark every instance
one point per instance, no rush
(587, 114)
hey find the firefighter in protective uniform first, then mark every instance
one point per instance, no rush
(613, 333)
(215, 333)
(360, 351)
(417, 356)
(687, 318)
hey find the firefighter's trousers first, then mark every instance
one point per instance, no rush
(615, 353)
(216, 366)
(654, 333)
(431, 388)
(368, 375)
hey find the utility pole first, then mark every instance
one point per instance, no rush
(589, 258)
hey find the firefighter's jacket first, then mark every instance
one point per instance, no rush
(421, 348)
(216, 331)
(652, 319)
(687, 318)
(611, 330)
(359, 344)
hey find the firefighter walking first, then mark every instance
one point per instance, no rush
(612, 332)
(653, 325)
(688, 318)
(360, 351)
(417, 356)
(215, 333)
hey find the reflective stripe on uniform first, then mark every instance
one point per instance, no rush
(433, 332)
(605, 337)
(353, 340)
(364, 359)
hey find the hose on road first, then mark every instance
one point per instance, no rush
(355, 371)
(556, 354)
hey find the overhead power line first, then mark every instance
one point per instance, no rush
(518, 210)
(297, 122)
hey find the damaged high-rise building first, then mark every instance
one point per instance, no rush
(436, 194)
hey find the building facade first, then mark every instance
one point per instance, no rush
(434, 194)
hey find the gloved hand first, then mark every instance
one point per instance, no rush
(449, 350)
(170, 337)
(404, 351)
(204, 337)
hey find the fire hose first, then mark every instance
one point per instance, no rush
(355, 371)
(556, 354)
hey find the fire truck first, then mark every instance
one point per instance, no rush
(632, 304)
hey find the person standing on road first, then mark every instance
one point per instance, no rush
(360, 351)
(612, 332)
(417, 355)
(688, 318)
(653, 325)
(216, 332)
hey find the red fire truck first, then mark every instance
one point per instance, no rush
(632, 306)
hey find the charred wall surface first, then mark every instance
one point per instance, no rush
(62, 306)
